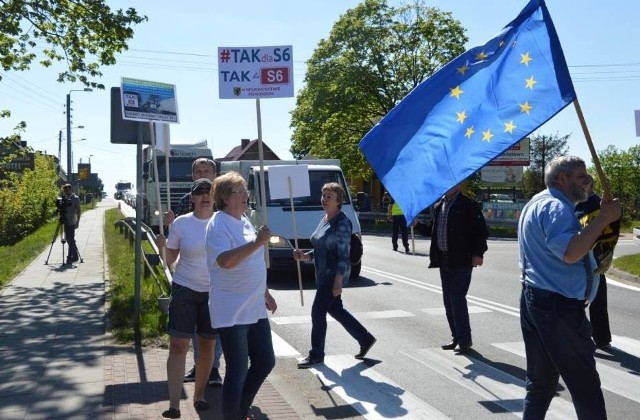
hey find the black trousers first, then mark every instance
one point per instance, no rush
(70, 235)
(599, 316)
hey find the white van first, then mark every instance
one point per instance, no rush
(308, 210)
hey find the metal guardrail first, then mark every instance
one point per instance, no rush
(127, 227)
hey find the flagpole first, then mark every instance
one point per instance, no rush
(606, 191)
(154, 151)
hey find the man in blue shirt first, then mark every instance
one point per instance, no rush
(559, 280)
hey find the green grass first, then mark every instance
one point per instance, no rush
(14, 259)
(121, 257)
(628, 263)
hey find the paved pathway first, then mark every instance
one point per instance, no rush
(58, 362)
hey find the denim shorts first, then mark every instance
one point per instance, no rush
(189, 312)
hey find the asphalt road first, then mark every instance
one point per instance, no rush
(406, 374)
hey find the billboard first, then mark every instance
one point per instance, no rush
(516, 155)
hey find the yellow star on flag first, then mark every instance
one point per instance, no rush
(461, 116)
(525, 58)
(481, 56)
(509, 127)
(469, 132)
(530, 83)
(462, 69)
(486, 136)
(456, 92)
(525, 107)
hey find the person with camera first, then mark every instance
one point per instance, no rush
(69, 210)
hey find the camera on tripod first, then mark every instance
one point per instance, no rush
(62, 203)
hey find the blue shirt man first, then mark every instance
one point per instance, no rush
(558, 281)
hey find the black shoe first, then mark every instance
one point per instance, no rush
(214, 377)
(464, 348)
(190, 376)
(365, 349)
(172, 413)
(395, 247)
(603, 346)
(406, 249)
(309, 362)
(201, 405)
(452, 345)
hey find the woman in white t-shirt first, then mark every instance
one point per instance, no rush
(189, 307)
(239, 298)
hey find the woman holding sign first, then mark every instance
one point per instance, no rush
(330, 255)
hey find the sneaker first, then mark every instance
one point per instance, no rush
(309, 362)
(214, 377)
(190, 376)
(365, 349)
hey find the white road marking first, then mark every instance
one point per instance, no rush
(612, 379)
(441, 311)
(306, 319)
(373, 395)
(281, 348)
(489, 383)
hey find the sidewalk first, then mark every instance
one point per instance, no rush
(57, 361)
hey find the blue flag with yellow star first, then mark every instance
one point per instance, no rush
(470, 111)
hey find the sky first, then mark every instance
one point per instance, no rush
(178, 45)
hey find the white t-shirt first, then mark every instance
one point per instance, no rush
(187, 234)
(236, 296)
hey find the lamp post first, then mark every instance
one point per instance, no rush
(69, 169)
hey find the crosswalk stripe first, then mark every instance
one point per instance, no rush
(611, 379)
(372, 394)
(486, 381)
(306, 319)
(441, 311)
(281, 348)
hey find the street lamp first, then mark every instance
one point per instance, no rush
(69, 169)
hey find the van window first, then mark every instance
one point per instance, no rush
(316, 180)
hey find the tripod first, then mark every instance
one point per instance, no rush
(63, 240)
(58, 231)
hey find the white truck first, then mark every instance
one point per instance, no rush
(181, 157)
(308, 210)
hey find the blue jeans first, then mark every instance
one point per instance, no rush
(242, 381)
(455, 285)
(325, 303)
(557, 339)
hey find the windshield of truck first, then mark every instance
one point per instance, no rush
(316, 180)
(179, 171)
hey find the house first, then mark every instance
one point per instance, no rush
(248, 150)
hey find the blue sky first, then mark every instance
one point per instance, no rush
(178, 45)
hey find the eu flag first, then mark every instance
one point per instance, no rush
(470, 111)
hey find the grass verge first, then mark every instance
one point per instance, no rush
(14, 258)
(628, 263)
(121, 258)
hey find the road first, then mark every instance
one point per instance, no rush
(406, 374)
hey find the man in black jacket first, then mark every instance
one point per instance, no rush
(458, 243)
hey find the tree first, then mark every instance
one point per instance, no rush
(86, 34)
(622, 170)
(543, 148)
(374, 56)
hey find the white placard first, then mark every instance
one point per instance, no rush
(279, 181)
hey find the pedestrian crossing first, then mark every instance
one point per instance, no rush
(375, 396)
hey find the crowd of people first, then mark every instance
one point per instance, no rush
(220, 295)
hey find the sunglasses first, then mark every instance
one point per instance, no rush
(201, 191)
